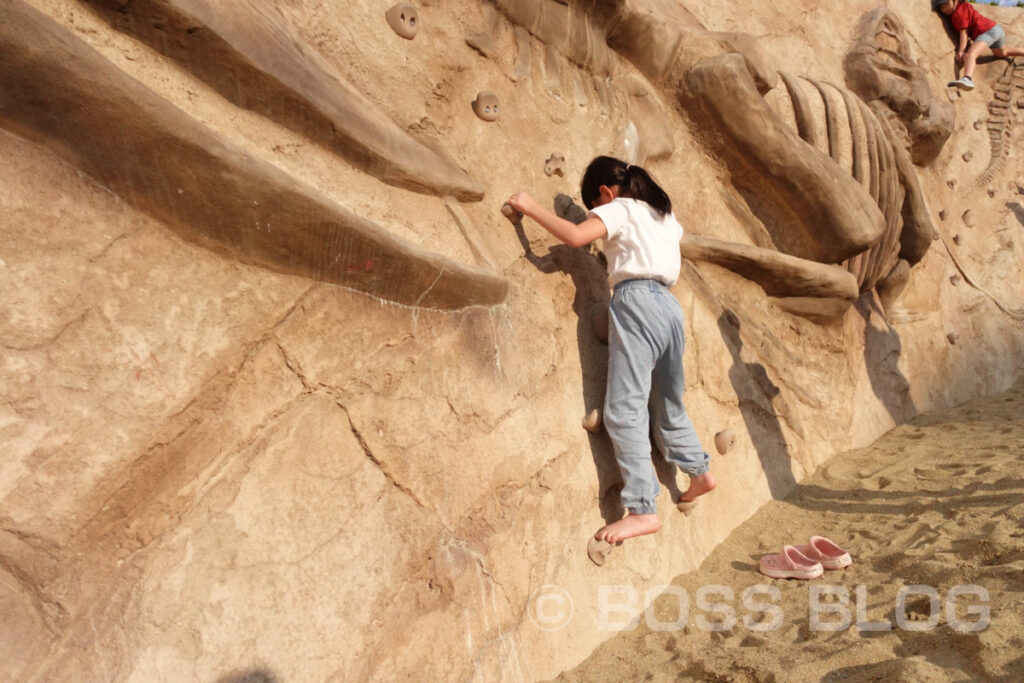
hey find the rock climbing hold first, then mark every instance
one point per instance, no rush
(952, 337)
(979, 124)
(510, 212)
(555, 165)
(954, 280)
(592, 421)
(403, 20)
(957, 239)
(724, 440)
(486, 105)
(942, 215)
(968, 155)
(991, 192)
(969, 219)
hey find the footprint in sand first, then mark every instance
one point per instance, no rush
(753, 641)
(919, 610)
(903, 526)
(659, 651)
(925, 535)
(724, 635)
(870, 535)
(923, 473)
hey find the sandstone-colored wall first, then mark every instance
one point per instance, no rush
(211, 468)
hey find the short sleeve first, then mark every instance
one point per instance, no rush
(961, 18)
(614, 216)
(676, 225)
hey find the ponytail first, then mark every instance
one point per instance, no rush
(640, 185)
(633, 181)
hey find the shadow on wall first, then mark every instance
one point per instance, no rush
(882, 349)
(250, 676)
(755, 392)
(954, 38)
(1018, 211)
(590, 281)
(667, 473)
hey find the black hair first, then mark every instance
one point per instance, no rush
(633, 181)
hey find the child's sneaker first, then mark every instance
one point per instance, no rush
(965, 83)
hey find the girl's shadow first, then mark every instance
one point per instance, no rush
(589, 277)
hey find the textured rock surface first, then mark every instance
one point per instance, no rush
(248, 52)
(67, 96)
(881, 66)
(214, 469)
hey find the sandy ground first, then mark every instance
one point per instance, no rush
(937, 502)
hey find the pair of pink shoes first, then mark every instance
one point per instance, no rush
(808, 561)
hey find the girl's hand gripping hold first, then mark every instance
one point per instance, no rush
(524, 204)
(569, 233)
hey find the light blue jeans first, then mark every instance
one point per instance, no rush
(645, 382)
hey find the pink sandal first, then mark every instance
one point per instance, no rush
(790, 564)
(822, 550)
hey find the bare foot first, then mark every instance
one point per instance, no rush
(698, 487)
(628, 527)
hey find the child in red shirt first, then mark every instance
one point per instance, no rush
(983, 33)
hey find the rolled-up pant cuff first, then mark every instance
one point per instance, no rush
(642, 509)
(694, 472)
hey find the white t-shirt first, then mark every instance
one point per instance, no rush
(639, 243)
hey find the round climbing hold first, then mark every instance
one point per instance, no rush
(592, 421)
(724, 441)
(486, 105)
(403, 20)
(511, 213)
(555, 165)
